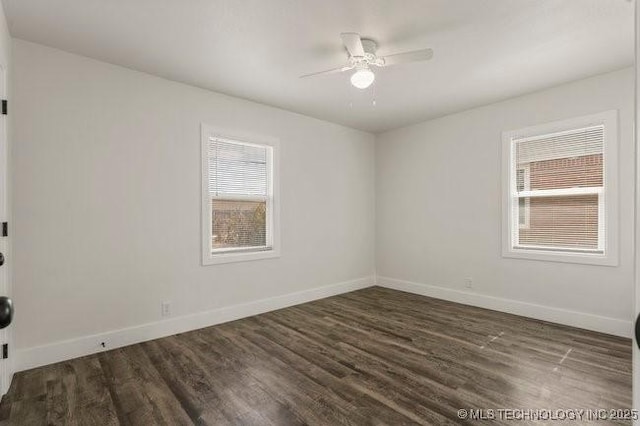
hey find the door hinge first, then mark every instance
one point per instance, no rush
(5, 229)
(5, 107)
(5, 351)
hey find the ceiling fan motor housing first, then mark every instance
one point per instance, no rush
(369, 46)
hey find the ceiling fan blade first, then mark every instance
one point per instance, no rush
(331, 71)
(413, 56)
(353, 43)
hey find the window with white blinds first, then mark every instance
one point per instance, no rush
(557, 190)
(239, 198)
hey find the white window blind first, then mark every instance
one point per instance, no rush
(558, 192)
(239, 183)
(237, 168)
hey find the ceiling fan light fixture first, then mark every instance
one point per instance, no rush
(362, 78)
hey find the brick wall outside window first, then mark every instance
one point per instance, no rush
(569, 221)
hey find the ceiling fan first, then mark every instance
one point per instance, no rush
(362, 56)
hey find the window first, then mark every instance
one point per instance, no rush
(560, 191)
(239, 207)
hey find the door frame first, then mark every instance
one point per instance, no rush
(636, 264)
(6, 335)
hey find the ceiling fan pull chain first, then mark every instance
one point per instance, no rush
(373, 96)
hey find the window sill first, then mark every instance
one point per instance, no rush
(215, 259)
(563, 257)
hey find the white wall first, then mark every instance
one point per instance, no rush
(438, 211)
(107, 203)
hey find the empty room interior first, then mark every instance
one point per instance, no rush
(338, 212)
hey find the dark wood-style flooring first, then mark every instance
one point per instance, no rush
(374, 356)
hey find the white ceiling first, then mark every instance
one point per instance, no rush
(485, 50)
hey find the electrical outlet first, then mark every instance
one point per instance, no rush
(166, 309)
(468, 282)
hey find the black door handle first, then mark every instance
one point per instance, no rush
(6, 311)
(638, 331)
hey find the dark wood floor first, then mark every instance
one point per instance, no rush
(374, 356)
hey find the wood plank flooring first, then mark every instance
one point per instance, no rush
(374, 356)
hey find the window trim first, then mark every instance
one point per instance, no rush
(608, 202)
(273, 203)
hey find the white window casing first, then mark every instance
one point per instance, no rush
(239, 171)
(566, 172)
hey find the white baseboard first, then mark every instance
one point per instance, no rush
(68, 349)
(592, 322)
